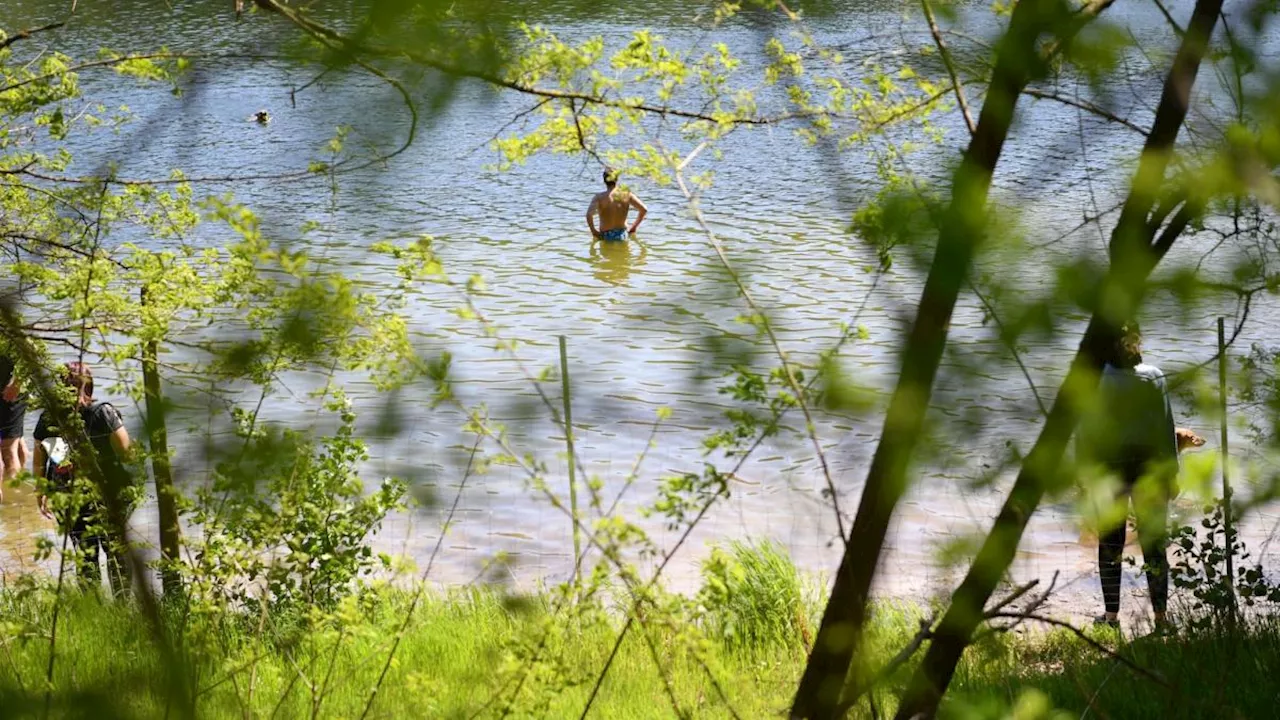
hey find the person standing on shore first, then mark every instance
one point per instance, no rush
(613, 206)
(82, 513)
(13, 414)
(1132, 436)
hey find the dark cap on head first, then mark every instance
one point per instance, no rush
(610, 177)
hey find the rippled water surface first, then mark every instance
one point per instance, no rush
(641, 319)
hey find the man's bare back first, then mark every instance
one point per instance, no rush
(613, 205)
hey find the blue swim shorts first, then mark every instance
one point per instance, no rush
(614, 234)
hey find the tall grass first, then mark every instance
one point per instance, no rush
(1225, 672)
(754, 597)
(467, 652)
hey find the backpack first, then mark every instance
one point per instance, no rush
(58, 468)
(59, 465)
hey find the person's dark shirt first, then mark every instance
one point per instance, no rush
(101, 420)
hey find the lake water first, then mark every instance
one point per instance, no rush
(641, 319)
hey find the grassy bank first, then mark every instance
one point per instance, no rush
(738, 649)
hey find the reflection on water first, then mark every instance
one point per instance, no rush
(614, 260)
(20, 526)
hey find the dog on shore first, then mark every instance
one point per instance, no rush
(1187, 439)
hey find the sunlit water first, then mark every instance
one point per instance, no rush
(640, 319)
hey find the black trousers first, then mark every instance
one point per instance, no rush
(1148, 486)
(88, 537)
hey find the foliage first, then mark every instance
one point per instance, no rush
(286, 524)
(1259, 387)
(754, 597)
(278, 537)
(1201, 569)
(452, 651)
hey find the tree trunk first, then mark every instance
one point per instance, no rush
(1133, 257)
(1018, 61)
(158, 441)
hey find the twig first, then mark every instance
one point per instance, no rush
(663, 673)
(328, 675)
(1177, 29)
(287, 689)
(567, 397)
(635, 469)
(13, 665)
(24, 34)
(53, 631)
(593, 540)
(1032, 607)
(1012, 347)
(417, 596)
(926, 633)
(1086, 106)
(898, 660)
(352, 46)
(94, 64)
(293, 92)
(1148, 674)
(1008, 342)
(404, 95)
(18, 171)
(1017, 593)
(950, 64)
(577, 125)
(344, 167)
(767, 326)
(512, 121)
(1094, 698)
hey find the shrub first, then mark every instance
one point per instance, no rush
(754, 597)
(290, 525)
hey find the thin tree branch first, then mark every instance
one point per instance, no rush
(1086, 106)
(1082, 635)
(24, 34)
(909, 650)
(417, 596)
(787, 366)
(950, 64)
(512, 121)
(93, 64)
(354, 47)
(1177, 29)
(1175, 228)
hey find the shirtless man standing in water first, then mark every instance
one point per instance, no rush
(613, 206)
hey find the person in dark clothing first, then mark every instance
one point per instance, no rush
(82, 515)
(1132, 436)
(13, 414)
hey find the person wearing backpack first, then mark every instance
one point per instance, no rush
(82, 516)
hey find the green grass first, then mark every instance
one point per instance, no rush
(465, 653)
(1207, 674)
(458, 654)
